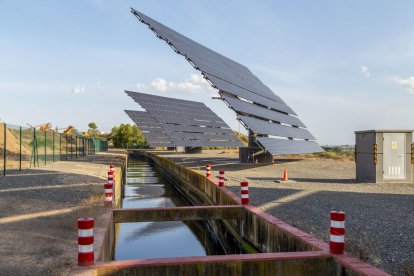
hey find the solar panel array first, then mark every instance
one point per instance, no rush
(169, 122)
(150, 128)
(271, 120)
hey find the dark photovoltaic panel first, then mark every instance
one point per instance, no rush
(171, 127)
(260, 110)
(172, 122)
(287, 146)
(263, 127)
(227, 87)
(244, 107)
(150, 128)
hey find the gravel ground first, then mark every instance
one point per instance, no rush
(38, 212)
(380, 217)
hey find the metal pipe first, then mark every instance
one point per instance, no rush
(4, 149)
(45, 147)
(20, 161)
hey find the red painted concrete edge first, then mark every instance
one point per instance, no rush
(359, 266)
(346, 260)
(214, 259)
(228, 193)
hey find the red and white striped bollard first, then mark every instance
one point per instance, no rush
(221, 178)
(244, 190)
(112, 168)
(109, 188)
(337, 233)
(85, 241)
(208, 170)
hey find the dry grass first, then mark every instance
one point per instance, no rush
(94, 200)
(409, 269)
(365, 248)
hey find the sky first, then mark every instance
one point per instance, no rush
(341, 65)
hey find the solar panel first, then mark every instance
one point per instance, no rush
(180, 127)
(175, 127)
(264, 127)
(259, 111)
(240, 89)
(279, 146)
(248, 95)
(150, 128)
(209, 61)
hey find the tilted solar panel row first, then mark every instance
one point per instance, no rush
(187, 121)
(235, 80)
(141, 97)
(249, 108)
(180, 128)
(209, 61)
(279, 146)
(263, 127)
(183, 128)
(202, 136)
(248, 95)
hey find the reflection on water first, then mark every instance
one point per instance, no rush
(147, 189)
(164, 239)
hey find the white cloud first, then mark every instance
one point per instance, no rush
(365, 71)
(79, 90)
(159, 84)
(407, 83)
(194, 84)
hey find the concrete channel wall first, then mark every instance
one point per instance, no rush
(284, 250)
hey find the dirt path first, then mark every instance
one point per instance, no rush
(380, 217)
(39, 209)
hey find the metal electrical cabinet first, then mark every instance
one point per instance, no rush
(384, 156)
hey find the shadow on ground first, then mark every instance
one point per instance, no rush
(379, 227)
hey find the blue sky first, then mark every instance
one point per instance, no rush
(341, 65)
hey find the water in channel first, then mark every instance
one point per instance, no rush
(146, 188)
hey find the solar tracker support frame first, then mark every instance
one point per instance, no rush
(251, 154)
(193, 149)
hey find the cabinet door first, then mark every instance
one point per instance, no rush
(394, 156)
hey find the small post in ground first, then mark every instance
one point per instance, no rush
(109, 189)
(208, 170)
(85, 241)
(337, 233)
(244, 192)
(221, 179)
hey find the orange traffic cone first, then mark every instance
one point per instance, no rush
(285, 175)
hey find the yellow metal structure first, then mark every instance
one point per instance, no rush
(68, 130)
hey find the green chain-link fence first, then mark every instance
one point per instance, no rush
(22, 148)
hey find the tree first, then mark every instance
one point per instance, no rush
(93, 131)
(128, 136)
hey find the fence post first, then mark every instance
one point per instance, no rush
(71, 148)
(66, 141)
(53, 139)
(76, 146)
(45, 145)
(4, 148)
(20, 157)
(60, 147)
(34, 147)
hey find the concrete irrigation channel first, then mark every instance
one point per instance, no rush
(223, 237)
